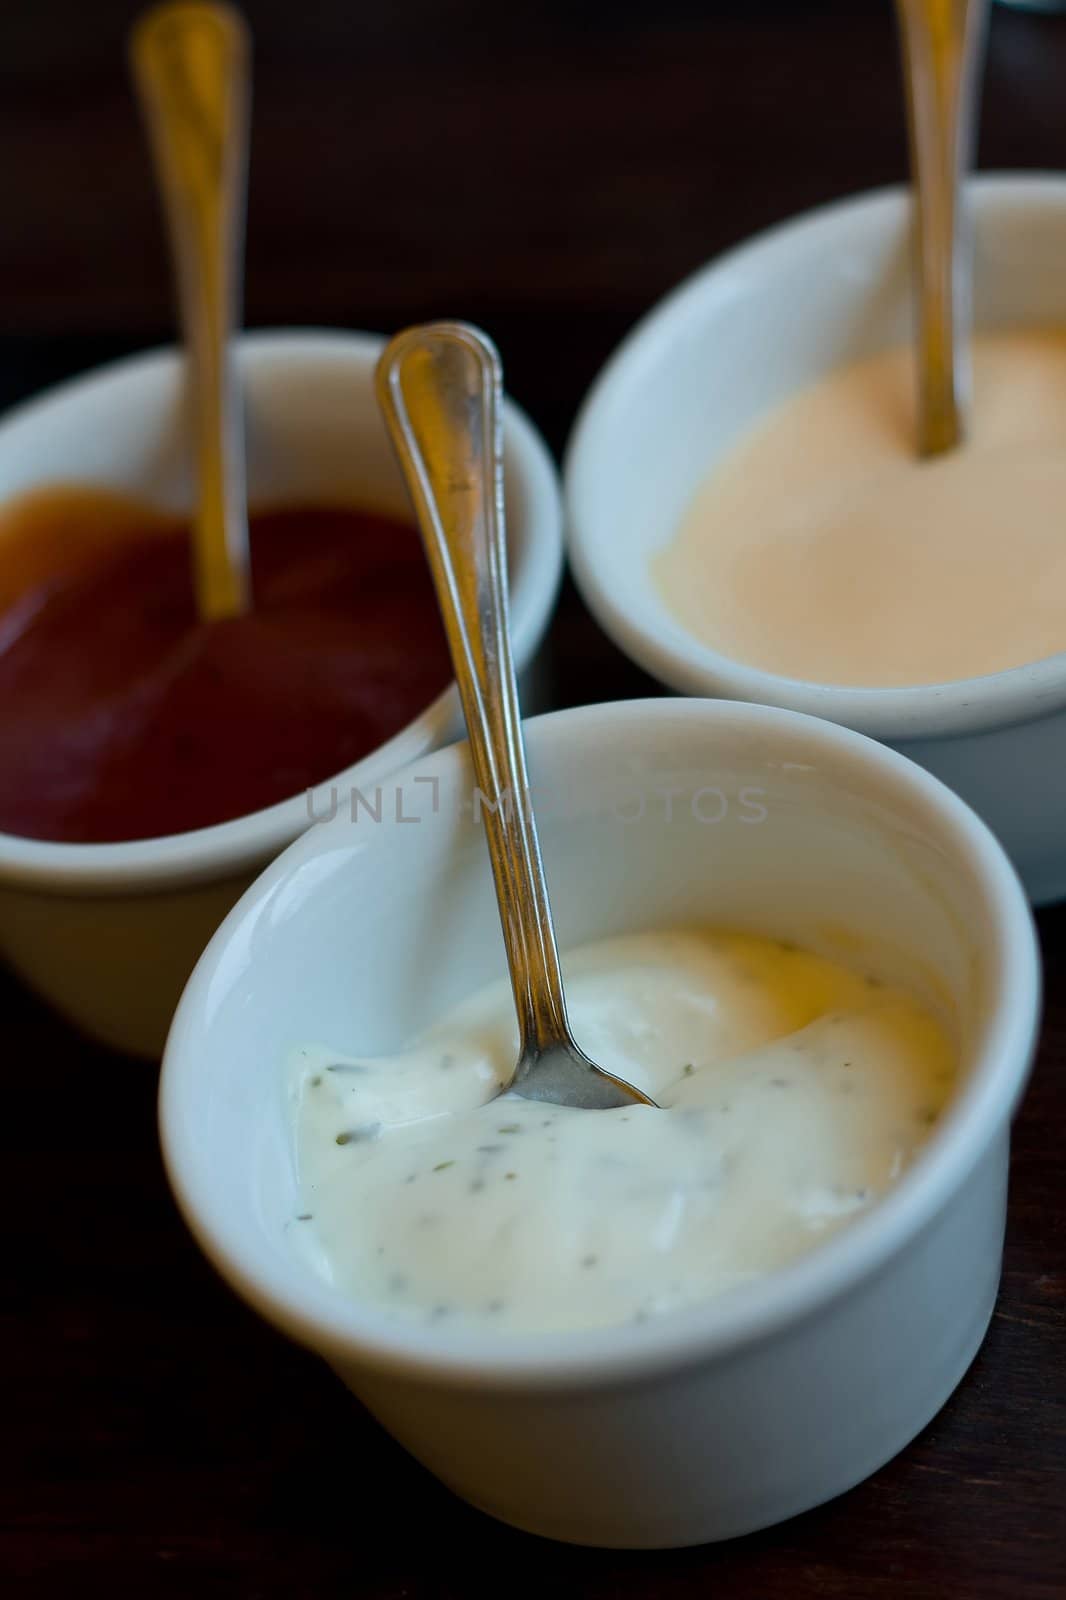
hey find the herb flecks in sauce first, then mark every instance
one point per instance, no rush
(363, 1135)
(809, 1093)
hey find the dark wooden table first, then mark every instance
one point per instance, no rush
(546, 170)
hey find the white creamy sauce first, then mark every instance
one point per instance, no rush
(822, 547)
(792, 1094)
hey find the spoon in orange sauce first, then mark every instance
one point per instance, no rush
(941, 43)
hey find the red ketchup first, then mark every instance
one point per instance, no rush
(122, 716)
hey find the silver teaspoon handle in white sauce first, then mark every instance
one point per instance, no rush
(440, 390)
(941, 42)
(439, 387)
(190, 64)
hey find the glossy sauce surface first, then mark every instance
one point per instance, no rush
(792, 1094)
(821, 547)
(122, 716)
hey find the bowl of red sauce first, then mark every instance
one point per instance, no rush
(151, 764)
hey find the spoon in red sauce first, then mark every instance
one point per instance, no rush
(190, 67)
(140, 695)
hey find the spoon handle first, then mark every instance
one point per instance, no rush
(941, 44)
(190, 65)
(439, 387)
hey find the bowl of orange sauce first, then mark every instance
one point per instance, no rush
(747, 516)
(152, 764)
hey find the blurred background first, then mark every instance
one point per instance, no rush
(542, 167)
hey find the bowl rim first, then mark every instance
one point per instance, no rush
(226, 849)
(345, 1332)
(965, 705)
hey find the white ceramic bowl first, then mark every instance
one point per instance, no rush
(772, 1398)
(736, 339)
(109, 933)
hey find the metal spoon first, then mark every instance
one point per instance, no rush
(439, 387)
(941, 43)
(190, 66)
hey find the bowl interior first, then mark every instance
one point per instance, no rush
(739, 338)
(652, 814)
